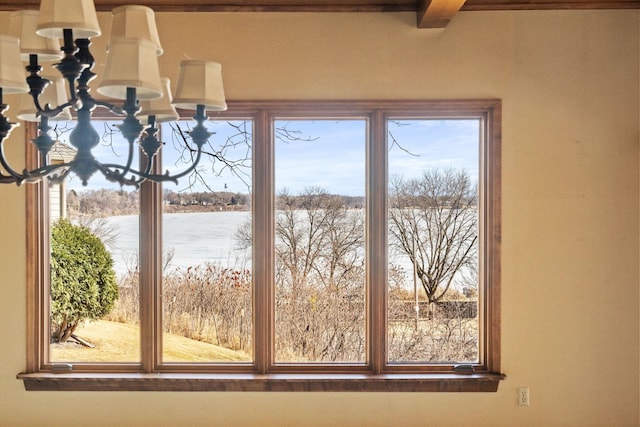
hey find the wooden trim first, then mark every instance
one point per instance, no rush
(37, 242)
(264, 375)
(150, 259)
(437, 13)
(263, 383)
(246, 6)
(495, 5)
(352, 6)
(376, 237)
(493, 240)
(263, 226)
(489, 111)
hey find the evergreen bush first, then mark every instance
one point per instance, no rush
(83, 281)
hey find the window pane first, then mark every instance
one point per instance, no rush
(94, 277)
(433, 240)
(320, 276)
(207, 279)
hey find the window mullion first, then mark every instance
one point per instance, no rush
(263, 235)
(150, 274)
(377, 241)
(38, 250)
(491, 209)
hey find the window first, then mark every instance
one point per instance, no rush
(329, 246)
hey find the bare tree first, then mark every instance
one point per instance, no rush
(319, 278)
(434, 221)
(229, 155)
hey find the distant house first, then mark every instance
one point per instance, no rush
(60, 153)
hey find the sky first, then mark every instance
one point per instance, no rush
(334, 155)
(325, 153)
(433, 144)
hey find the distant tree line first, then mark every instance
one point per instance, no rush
(206, 198)
(308, 199)
(102, 203)
(105, 203)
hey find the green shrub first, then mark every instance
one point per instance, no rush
(83, 281)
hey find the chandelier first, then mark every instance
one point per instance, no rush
(131, 75)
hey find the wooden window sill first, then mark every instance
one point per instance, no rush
(478, 382)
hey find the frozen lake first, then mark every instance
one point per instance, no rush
(194, 238)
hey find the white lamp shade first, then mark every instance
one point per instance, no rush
(136, 22)
(12, 77)
(161, 107)
(22, 24)
(131, 63)
(77, 15)
(200, 83)
(54, 94)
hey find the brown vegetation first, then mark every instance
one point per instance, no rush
(320, 309)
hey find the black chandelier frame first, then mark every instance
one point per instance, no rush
(76, 68)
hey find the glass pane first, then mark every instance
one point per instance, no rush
(94, 277)
(320, 276)
(433, 241)
(207, 280)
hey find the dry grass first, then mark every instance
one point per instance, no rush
(120, 342)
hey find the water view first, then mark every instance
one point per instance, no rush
(197, 238)
(193, 239)
(318, 299)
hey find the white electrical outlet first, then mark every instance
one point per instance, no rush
(523, 396)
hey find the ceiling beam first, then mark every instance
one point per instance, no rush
(437, 13)
(424, 7)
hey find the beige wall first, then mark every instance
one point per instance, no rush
(569, 82)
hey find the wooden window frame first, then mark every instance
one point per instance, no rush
(263, 374)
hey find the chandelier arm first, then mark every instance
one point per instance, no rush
(115, 109)
(117, 177)
(13, 175)
(8, 179)
(106, 169)
(5, 130)
(174, 178)
(49, 111)
(131, 128)
(199, 134)
(59, 179)
(148, 167)
(117, 173)
(44, 171)
(147, 170)
(127, 167)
